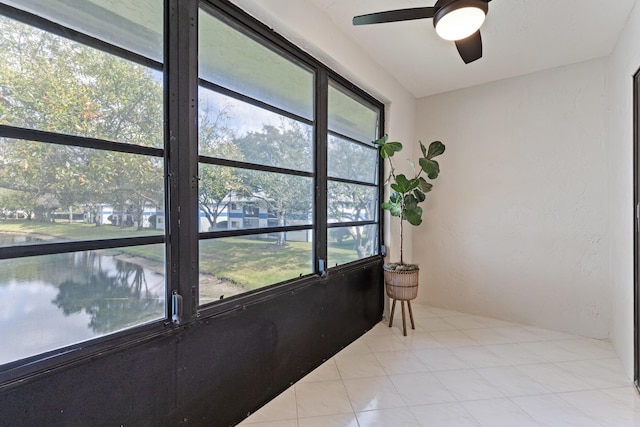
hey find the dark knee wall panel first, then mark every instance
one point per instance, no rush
(212, 372)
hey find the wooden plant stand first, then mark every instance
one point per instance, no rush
(404, 321)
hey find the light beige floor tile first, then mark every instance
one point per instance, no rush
(551, 410)
(390, 342)
(355, 348)
(421, 389)
(283, 407)
(479, 357)
(487, 336)
(418, 340)
(466, 321)
(440, 359)
(552, 351)
(598, 373)
(627, 395)
(499, 413)
(368, 394)
(515, 354)
(281, 423)
(512, 382)
(444, 415)
(396, 417)
(589, 348)
(435, 324)
(466, 384)
(342, 420)
(322, 398)
(452, 339)
(359, 366)
(604, 408)
(548, 334)
(328, 371)
(519, 334)
(554, 378)
(400, 362)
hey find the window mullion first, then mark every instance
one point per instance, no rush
(321, 132)
(182, 163)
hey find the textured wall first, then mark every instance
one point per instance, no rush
(517, 227)
(624, 62)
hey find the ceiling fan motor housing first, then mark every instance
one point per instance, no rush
(445, 7)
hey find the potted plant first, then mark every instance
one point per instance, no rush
(408, 192)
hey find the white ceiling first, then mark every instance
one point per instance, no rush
(519, 37)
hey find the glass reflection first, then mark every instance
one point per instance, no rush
(57, 300)
(346, 244)
(234, 265)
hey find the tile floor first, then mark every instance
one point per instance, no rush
(460, 370)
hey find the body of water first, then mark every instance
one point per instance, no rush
(53, 301)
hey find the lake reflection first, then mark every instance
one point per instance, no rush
(57, 300)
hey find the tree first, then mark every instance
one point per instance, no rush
(217, 183)
(352, 202)
(285, 196)
(53, 84)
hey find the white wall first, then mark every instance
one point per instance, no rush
(624, 62)
(517, 225)
(308, 27)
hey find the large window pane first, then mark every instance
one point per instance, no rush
(231, 59)
(349, 160)
(234, 265)
(350, 117)
(54, 193)
(57, 300)
(349, 202)
(235, 130)
(133, 25)
(52, 84)
(231, 199)
(346, 244)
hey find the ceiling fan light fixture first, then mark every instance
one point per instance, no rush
(460, 19)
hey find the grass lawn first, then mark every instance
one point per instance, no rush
(248, 261)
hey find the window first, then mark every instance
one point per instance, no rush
(256, 147)
(353, 174)
(109, 173)
(81, 175)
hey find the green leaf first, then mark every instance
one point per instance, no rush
(435, 149)
(431, 167)
(414, 215)
(423, 148)
(402, 184)
(424, 186)
(410, 202)
(395, 198)
(419, 195)
(394, 208)
(381, 141)
(389, 149)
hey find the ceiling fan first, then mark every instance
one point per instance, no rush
(456, 20)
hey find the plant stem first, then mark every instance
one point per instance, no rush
(401, 241)
(393, 174)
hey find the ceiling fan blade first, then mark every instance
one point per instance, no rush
(395, 15)
(470, 48)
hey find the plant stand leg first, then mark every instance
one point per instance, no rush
(393, 308)
(413, 326)
(404, 321)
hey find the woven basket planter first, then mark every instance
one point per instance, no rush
(401, 285)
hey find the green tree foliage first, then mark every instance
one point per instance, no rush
(350, 202)
(288, 197)
(217, 183)
(53, 84)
